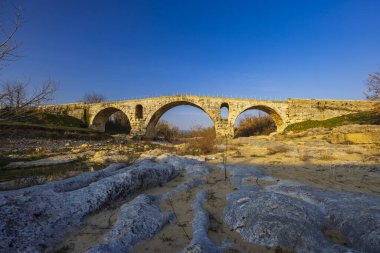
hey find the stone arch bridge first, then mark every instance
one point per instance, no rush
(143, 114)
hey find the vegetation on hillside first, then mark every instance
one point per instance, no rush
(370, 118)
(39, 118)
(20, 130)
(255, 125)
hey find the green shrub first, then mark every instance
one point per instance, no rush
(363, 118)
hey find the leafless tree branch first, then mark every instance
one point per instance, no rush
(91, 98)
(8, 43)
(373, 87)
(14, 95)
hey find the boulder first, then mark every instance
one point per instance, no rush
(276, 220)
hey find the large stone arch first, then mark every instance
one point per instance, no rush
(153, 118)
(272, 112)
(100, 117)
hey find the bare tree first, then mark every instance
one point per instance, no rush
(14, 95)
(8, 30)
(373, 87)
(17, 95)
(93, 97)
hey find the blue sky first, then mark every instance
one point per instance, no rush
(262, 49)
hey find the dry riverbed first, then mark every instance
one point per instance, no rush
(294, 192)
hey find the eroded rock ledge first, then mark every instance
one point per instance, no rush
(36, 219)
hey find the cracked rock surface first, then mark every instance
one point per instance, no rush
(137, 220)
(294, 216)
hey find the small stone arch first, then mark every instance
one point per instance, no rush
(153, 119)
(279, 122)
(100, 119)
(139, 111)
(224, 106)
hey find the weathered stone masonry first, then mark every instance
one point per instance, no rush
(143, 114)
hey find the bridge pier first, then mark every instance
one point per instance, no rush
(224, 129)
(137, 128)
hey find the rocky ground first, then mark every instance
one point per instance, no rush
(293, 192)
(29, 161)
(311, 158)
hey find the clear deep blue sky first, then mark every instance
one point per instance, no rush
(272, 49)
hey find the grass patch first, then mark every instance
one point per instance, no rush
(362, 118)
(19, 130)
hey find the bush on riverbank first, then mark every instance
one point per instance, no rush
(166, 131)
(199, 141)
(255, 125)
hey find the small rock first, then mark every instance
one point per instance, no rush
(85, 146)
